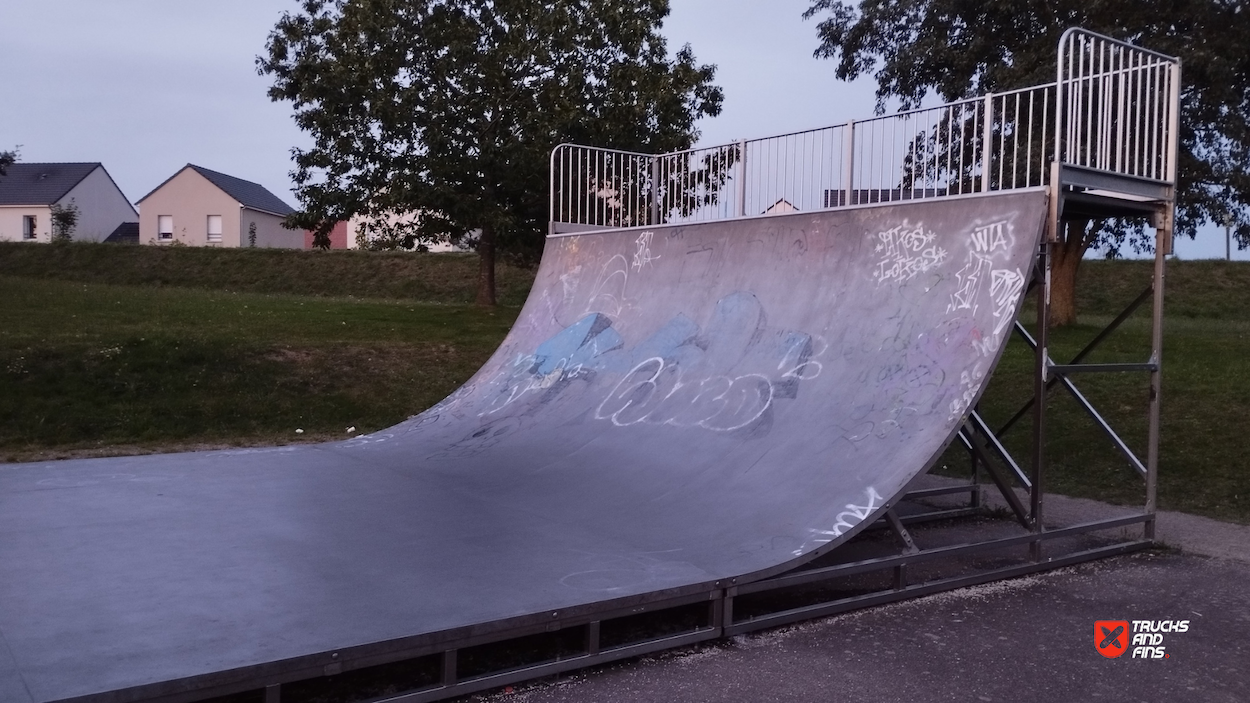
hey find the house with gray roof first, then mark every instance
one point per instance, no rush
(29, 190)
(200, 207)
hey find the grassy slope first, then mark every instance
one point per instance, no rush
(443, 278)
(88, 367)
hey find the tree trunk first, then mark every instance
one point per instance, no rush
(486, 267)
(1066, 258)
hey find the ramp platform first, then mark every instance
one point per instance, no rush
(676, 409)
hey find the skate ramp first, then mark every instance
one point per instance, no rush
(674, 407)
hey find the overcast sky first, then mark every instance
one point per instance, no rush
(147, 86)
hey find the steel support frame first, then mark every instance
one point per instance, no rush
(720, 603)
(1048, 374)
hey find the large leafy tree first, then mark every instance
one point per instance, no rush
(958, 49)
(450, 108)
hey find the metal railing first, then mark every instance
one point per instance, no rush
(1112, 109)
(1118, 107)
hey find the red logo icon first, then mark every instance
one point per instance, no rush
(1111, 637)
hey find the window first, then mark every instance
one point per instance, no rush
(165, 227)
(214, 228)
(29, 223)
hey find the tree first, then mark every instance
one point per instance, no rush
(64, 221)
(450, 108)
(962, 49)
(7, 159)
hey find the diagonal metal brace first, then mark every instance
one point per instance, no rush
(1106, 427)
(896, 525)
(1004, 486)
(1093, 344)
(1081, 400)
(999, 449)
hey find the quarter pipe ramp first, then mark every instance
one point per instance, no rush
(674, 407)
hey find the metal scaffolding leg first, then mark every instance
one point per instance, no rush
(1163, 242)
(1041, 360)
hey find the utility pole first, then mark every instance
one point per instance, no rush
(1228, 237)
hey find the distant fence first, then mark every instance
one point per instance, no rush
(1112, 109)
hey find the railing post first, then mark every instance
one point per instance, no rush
(655, 191)
(848, 163)
(553, 208)
(1059, 88)
(741, 177)
(1174, 127)
(987, 140)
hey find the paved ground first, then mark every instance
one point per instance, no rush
(1190, 533)
(1029, 639)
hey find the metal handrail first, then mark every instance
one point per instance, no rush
(1073, 31)
(1115, 114)
(1117, 106)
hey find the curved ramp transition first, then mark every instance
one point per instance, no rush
(673, 407)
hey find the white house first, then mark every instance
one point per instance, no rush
(200, 207)
(29, 190)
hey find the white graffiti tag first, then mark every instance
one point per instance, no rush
(972, 277)
(969, 386)
(655, 393)
(990, 238)
(1005, 288)
(608, 294)
(798, 364)
(907, 251)
(642, 255)
(845, 520)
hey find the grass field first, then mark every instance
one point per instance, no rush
(88, 368)
(441, 278)
(99, 355)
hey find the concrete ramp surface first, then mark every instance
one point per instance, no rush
(674, 407)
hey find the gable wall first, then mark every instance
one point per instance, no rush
(190, 198)
(269, 230)
(101, 207)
